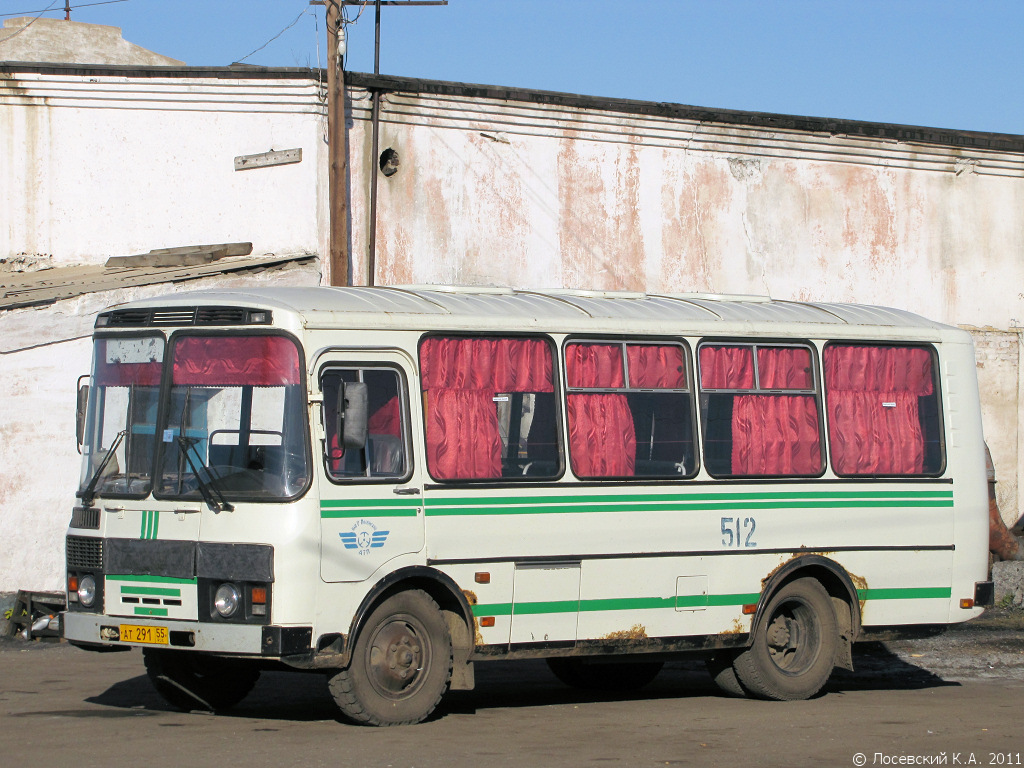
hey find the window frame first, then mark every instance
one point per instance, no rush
(167, 385)
(558, 417)
(937, 394)
(405, 418)
(96, 410)
(624, 342)
(817, 392)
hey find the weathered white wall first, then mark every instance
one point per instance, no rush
(100, 166)
(42, 353)
(488, 191)
(533, 195)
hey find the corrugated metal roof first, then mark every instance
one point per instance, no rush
(420, 307)
(45, 286)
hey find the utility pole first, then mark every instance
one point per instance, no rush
(371, 240)
(337, 151)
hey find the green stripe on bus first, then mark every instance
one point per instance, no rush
(681, 601)
(150, 611)
(675, 497)
(333, 514)
(163, 592)
(905, 593)
(485, 508)
(326, 503)
(156, 579)
(342, 508)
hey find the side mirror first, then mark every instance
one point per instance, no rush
(81, 410)
(352, 417)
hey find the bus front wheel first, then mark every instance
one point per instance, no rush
(401, 663)
(794, 644)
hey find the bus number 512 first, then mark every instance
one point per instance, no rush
(738, 532)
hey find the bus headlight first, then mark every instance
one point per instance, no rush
(87, 591)
(226, 600)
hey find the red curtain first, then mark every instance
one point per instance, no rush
(126, 374)
(784, 368)
(461, 376)
(235, 361)
(113, 373)
(463, 439)
(602, 441)
(726, 368)
(656, 366)
(501, 365)
(874, 421)
(878, 369)
(595, 365)
(775, 435)
(386, 420)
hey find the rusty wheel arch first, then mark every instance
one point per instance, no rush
(450, 599)
(840, 586)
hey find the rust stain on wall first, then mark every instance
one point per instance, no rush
(600, 236)
(693, 198)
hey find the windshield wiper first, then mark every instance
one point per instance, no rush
(89, 492)
(206, 488)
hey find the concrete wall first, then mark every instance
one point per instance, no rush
(100, 165)
(57, 40)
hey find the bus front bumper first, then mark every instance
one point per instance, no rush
(100, 632)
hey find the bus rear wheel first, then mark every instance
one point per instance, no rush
(613, 676)
(401, 663)
(189, 680)
(794, 645)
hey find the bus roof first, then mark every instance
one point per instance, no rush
(483, 308)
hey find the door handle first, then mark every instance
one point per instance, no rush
(407, 491)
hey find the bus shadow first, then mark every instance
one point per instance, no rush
(878, 668)
(292, 696)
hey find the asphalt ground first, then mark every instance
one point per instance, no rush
(952, 699)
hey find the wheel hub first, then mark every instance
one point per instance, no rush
(396, 658)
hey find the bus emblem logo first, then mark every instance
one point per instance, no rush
(363, 537)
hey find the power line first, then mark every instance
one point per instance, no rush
(10, 37)
(50, 7)
(304, 12)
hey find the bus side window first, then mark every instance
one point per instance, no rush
(630, 410)
(384, 454)
(489, 408)
(759, 405)
(883, 410)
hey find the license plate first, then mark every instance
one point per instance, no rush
(132, 633)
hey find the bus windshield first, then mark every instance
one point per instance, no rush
(121, 423)
(234, 422)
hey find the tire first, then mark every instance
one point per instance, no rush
(401, 663)
(610, 676)
(189, 680)
(794, 644)
(720, 668)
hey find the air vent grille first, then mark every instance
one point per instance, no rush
(85, 552)
(176, 316)
(220, 316)
(85, 517)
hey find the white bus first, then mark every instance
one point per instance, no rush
(389, 485)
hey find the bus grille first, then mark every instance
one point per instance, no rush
(85, 552)
(168, 316)
(85, 517)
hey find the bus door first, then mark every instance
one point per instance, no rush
(371, 504)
